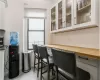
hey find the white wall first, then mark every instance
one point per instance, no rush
(83, 38)
(14, 15)
(2, 7)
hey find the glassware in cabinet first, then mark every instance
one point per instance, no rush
(83, 11)
(68, 13)
(53, 18)
(60, 15)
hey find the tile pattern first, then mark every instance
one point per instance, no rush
(31, 76)
(25, 76)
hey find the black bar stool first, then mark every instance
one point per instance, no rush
(36, 57)
(45, 60)
(66, 61)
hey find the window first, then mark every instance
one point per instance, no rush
(36, 32)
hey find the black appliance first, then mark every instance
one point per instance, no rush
(2, 32)
(1, 42)
(13, 61)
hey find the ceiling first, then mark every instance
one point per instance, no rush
(36, 0)
(27, 2)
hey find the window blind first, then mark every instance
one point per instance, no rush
(38, 13)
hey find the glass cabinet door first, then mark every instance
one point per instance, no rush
(60, 15)
(83, 11)
(68, 13)
(53, 18)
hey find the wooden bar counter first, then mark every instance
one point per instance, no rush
(86, 58)
(88, 52)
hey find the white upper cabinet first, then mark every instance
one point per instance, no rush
(53, 18)
(76, 14)
(86, 13)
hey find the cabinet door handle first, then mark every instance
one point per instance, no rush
(83, 58)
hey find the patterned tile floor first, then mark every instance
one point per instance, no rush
(29, 76)
(25, 76)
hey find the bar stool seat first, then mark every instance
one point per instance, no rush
(50, 60)
(81, 74)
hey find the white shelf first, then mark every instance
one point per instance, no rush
(83, 8)
(73, 28)
(59, 18)
(60, 9)
(53, 13)
(53, 21)
(68, 14)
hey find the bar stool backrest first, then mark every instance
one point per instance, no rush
(65, 60)
(43, 52)
(35, 48)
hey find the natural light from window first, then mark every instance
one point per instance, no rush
(36, 32)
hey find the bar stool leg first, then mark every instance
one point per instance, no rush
(34, 61)
(48, 73)
(41, 71)
(56, 73)
(38, 67)
(53, 71)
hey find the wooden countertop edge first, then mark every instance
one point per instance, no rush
(95, 56)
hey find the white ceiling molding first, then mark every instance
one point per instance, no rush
(5, 1)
